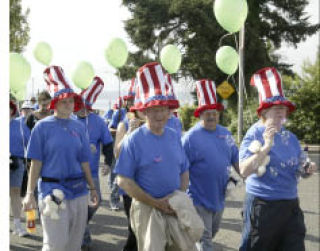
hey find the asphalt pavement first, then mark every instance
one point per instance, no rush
(109, 228)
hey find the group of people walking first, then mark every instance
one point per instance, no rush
(173, 184)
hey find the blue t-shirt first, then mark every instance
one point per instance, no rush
(61, 145)
(108, 114)
(175, 124)
(154, 162)
(98, 134)
(19, 137)
(280, 179)
(211, 155)
(115, 118)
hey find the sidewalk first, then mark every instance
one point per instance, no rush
(110, 228)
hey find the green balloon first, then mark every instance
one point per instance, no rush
(170, 58)
(43, 53)
(83, 75)
(227, 59)
(116, 53)
(19, 94)
(231, 14)
(20, 71)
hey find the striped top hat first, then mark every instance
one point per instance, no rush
(131, 90)
(90, 95)
(172, 99)
(269, 85)
(118, 104)
(151, 83)
(207, 97)
(59, 86)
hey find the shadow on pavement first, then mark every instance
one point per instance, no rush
(233, 204)
(220, 247)
(231, 224)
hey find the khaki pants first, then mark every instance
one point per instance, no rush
(156, 231)
(66, 233)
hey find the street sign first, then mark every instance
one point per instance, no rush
(225, 90)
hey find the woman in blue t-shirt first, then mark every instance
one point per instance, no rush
(59, 151)
(272, 160)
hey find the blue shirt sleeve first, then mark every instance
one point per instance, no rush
(244, 151)
(234, 152)
(106, 137)
(187, 148)
(35, 145)
(85, 150)
(126, 164)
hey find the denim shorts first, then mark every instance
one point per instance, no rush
(17, 175)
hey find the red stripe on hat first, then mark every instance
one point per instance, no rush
(212, 91)
(60, 75)
(205, 93)
(156, 82)
(53, 81)
(199, 98)
(265, 84)
(145, 85)
(278, 80)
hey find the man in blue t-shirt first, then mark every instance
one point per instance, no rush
(108, 116)
(212, 152)
(152, 163)
(175, 124)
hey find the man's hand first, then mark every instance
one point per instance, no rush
(94, 198)
(268, 135)
(163, 205)
(312, 168)
(29, 202)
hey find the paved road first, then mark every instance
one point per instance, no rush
(109, 228)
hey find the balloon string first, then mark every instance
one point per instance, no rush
(223, 37)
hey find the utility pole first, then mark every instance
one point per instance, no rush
(241, 83)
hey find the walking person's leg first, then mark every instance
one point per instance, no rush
(205, 243)
(91, 211)
(131, 243)
(114, 196)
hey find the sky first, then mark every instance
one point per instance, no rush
(79, 30)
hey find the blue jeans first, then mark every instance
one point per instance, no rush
(114, 196)
(211, 222)
(91, 211)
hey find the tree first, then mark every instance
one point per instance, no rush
(305, 93)
(19, 27)
(192, 26)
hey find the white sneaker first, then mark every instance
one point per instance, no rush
(23, 232)
(19, 230)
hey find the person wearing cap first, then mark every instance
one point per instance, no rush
(99, 134)
(26, 109)
(272, 162)
(60, 153)
(19, 137)
(118, 115)
(211, 152)
(152, 164)
(44, 99)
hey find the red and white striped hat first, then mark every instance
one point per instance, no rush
(269, 85)
(59, 86)
(207, 97)
(172, 99)
(118, 104)
(90, 95)
(131, 90)
(151, 83)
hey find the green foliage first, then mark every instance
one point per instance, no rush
(187, 117)
(19, 27)
(304, 91)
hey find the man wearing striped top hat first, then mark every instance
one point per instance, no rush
(152, 163)
(98, 133)
(212, 152)
(273, 162)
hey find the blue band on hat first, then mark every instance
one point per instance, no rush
(275, 98)
(62, 91)
(158, 97)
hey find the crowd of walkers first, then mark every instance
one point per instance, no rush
(172, 183)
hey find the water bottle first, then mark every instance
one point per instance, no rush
(31, 221)
(306, 164)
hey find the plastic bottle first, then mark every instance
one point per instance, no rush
(31, 221)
